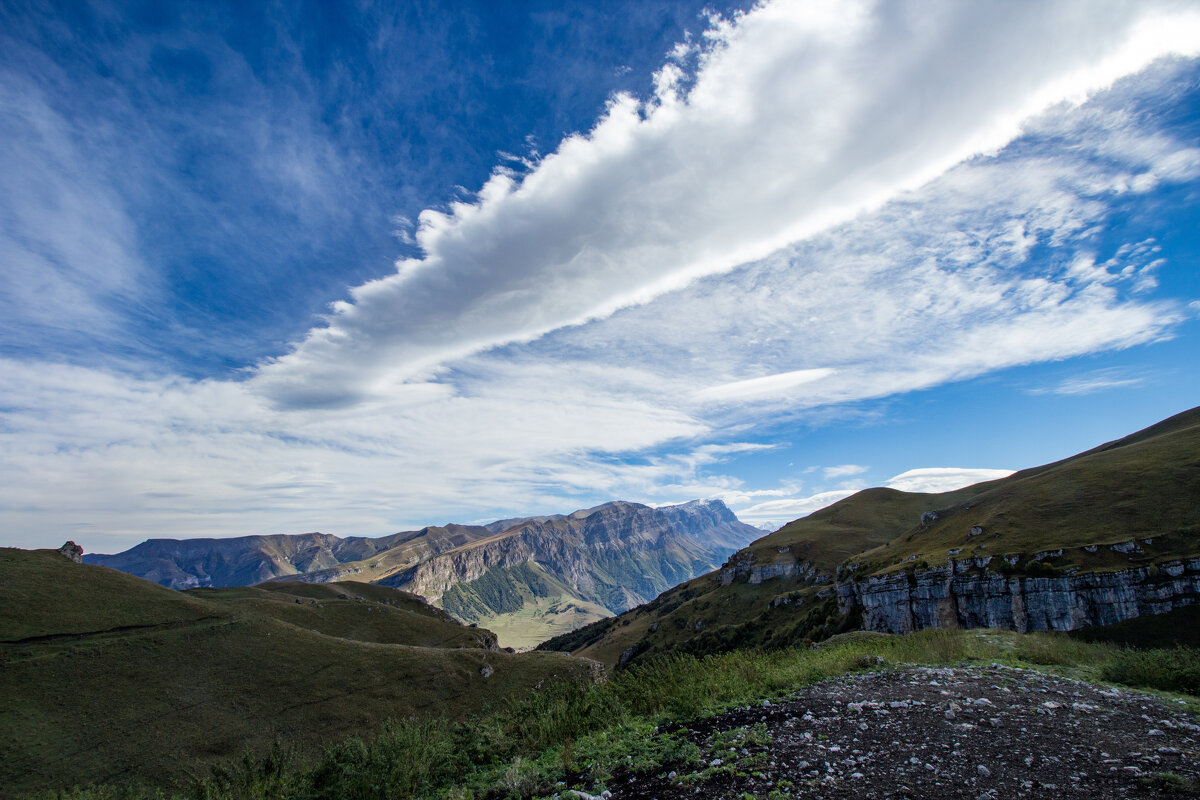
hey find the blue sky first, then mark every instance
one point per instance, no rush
(279, 268)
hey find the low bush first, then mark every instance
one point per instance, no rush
(1175, 670)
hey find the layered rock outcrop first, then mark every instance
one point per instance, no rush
(960, 595)
(744, 566)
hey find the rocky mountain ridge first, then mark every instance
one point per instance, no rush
(617, 555)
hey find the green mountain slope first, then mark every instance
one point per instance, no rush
(524, 604)
(1142, 486)
(1125, 504)
(106, 677)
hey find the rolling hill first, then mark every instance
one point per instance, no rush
(108, 677)
(1095, 539)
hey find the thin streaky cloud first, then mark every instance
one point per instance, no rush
(843, 470)
(1089, 384)
(943, 479)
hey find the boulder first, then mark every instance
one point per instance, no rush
(72, 551)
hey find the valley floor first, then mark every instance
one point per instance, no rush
(986, 732)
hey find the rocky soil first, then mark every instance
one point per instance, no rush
(976, 732)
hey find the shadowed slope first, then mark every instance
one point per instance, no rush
(107, 677)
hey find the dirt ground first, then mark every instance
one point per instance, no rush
(989, 733)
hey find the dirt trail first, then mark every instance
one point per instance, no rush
(986, 733)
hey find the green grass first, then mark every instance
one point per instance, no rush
(355, 611)
(542, 618)
(36, 600)
(106, 677)
(578, 734)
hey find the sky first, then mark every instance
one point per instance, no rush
(361, 268)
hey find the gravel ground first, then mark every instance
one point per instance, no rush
(976, 732)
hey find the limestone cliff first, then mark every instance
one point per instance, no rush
(959, 595)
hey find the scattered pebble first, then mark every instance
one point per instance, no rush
(1025, 744)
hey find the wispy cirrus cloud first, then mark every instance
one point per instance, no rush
(1091, 383)
(843, 471)
(943, 479)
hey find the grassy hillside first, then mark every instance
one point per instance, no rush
(1137, 495)
(1142, 487)
(106, 677)
(358, 611)
(36, 601)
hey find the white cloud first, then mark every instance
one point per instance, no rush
(779, 512)
(843, 470)
(128, 458)
(801, 116)
(943, 479)
(768, 385)
(1091, 383)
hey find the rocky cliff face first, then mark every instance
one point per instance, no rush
(960, 595)
(616, 555)
(710, 522)
(743, 565)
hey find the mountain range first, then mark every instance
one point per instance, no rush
(526, 578)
